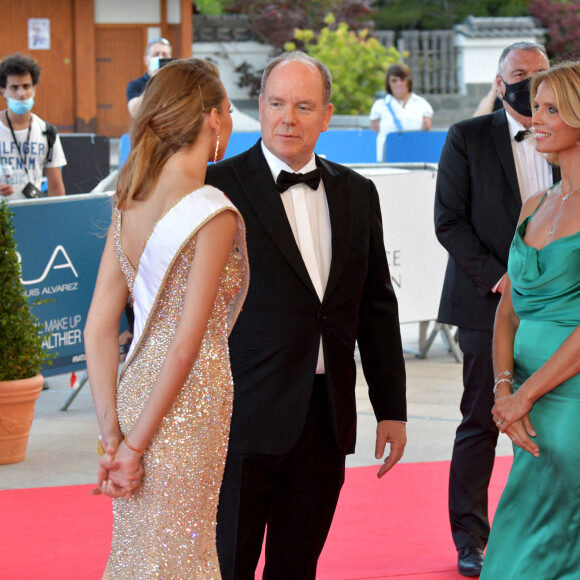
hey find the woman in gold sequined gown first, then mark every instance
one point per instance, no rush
(178, 247)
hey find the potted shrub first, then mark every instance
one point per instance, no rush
(21, 353)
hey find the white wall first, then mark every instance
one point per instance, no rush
(478, 58)
(135, 11)
(173, 12)
(127, 11)
(228, 55)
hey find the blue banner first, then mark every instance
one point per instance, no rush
(60, 241)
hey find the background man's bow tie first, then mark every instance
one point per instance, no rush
(521, 135)
(286, 179)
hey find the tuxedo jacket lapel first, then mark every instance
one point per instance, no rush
(339, 209)
(262, 193)
(501, 139)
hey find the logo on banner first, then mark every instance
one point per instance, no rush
(64, 262)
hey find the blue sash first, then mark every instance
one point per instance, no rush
(398, 123)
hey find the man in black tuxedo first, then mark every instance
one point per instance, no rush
(488, 166)
(319, 282)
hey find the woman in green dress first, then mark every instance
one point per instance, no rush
(536, 355)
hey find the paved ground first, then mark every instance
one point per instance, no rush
(61, 446)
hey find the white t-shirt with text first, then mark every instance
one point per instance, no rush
(34, 152)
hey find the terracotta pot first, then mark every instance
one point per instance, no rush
(17, 400)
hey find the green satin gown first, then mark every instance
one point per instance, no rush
(536, 529)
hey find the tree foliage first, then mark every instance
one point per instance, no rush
(440, 14)
(358, 63)
(562, 19)
(212, 7)
(21, 352)
(274, 21)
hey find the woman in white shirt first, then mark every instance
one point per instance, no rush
(400, 109)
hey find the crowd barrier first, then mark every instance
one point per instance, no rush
(416, 259)
(414, 146)
(347, 146)
(60, 241)
(342, 146)
(124, 148)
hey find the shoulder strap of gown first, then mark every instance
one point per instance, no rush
(171, 233)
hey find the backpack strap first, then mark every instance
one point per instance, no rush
(50, 134)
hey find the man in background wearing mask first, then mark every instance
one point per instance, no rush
(156, 49)
(487, 167)
(27, 145)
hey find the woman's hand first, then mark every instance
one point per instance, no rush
(121, 475)
(508, 409)
(110, 441)
(511, 415)
(120, 470)
(520, 433)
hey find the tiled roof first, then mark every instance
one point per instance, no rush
(500, 27)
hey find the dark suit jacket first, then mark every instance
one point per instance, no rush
(274, 344)
(477, 205)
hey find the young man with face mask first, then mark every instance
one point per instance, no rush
(487, 167)
(28, 145)
(156, 50)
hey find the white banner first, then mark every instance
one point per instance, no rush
(416, 259)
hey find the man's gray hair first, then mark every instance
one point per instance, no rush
(299, 56)
(522, 45)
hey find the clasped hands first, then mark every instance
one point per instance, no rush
(511, 416)
(120, 470)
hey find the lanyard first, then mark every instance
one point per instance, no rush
(23, 159)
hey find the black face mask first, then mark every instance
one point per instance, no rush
(517, 95)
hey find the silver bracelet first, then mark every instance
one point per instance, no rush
(501, 381)
(503, 374)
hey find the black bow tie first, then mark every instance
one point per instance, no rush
(521, 135)
(286, 180)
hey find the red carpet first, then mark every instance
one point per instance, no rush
(396, 527)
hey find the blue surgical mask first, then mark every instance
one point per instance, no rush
(153, 64)
(20, 107)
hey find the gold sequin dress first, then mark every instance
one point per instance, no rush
(167, 528)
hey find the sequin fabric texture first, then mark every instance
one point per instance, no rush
(167, 528)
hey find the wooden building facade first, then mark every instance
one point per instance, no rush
(89, 51)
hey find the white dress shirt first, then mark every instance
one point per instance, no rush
(534, 172)
(319, 219)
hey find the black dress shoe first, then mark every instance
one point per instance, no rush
(470, 561)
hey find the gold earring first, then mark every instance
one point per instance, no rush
(217, 146)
